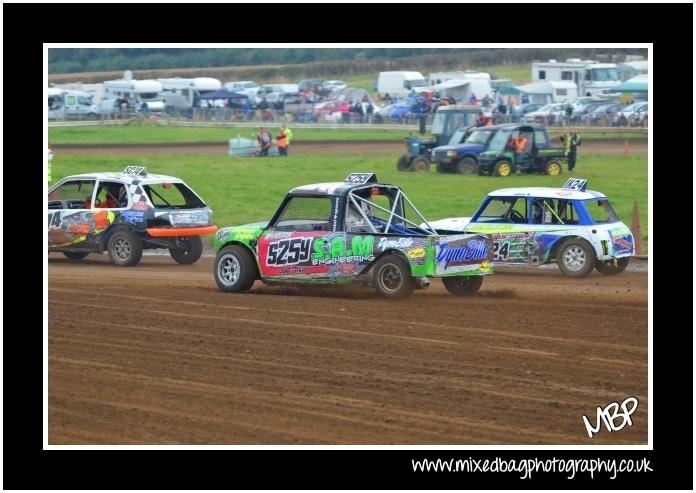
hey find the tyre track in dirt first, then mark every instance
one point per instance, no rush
(275, 366)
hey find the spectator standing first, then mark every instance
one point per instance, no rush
(569, 113)
(370, 109)
(571, 141)
(282, 142)
(288, 135)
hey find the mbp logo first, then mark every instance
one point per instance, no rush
(610, 414)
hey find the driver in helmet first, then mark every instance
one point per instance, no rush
(355, 222)
(114, 195)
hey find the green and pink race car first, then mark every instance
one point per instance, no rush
(357, 231)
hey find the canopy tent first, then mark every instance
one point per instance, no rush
(221, 94)
(639, 83)
(461, 89)
(539, 92)
(508, 91)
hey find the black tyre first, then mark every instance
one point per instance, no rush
(503, 168)
(403, 163)
(467, 166)
(553, 168)
(392, 277)
(575, 258)
(76, 255)
(462, 285)
(421, 164)
(125, 248)
(609, 269)
(189, 250)
(234, 269)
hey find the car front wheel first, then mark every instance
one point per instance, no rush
(234, 269)
(503, 168)
(467, 166)
(125, 248)
(576, 258)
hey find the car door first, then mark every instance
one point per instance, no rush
(549, 222)
(293, 246)
(71, 221)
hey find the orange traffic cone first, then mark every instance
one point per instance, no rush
(635, 229)
(625, 147)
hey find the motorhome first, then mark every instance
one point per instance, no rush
(136, 92)
(590, 77)
(436, 78)
(399, 84)
(183, 93)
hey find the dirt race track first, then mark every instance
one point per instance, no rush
(311, 148)
(156, 354)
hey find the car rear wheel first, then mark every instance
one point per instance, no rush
(462, 285)
(234, 269)
(503, 168)
(392, 277)
(188, 250)
(76, 255)
(403, 163)
(420, 164)
(125, 248)
(553, 168)
(467, 166)
(608, 268)
(576, 258)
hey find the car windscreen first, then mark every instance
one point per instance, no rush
(601, 211)
(305, 214)
(504, 209)
(172, 196)
(499, 140)
(478, 137)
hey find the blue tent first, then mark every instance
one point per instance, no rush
(636, 84)
(221, 94)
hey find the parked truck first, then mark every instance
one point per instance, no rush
(446, 121)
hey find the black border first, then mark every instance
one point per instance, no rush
(27, 26)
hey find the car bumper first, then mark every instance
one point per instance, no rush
(169, 232)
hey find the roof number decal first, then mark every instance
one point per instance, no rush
(576, 184)
(135, 171)
(360, 178)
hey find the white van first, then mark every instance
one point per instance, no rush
(63, 103)
(399, 84)
(182, 93)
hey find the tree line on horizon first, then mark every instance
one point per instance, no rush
(71, 60)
